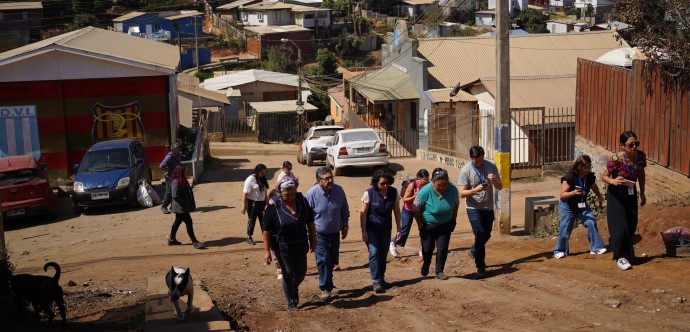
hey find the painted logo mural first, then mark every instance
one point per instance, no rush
(114, 122)
(19, 131)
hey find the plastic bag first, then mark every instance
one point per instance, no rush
(143, 196)
(152, 192)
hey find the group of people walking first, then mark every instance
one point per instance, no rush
(293, 224)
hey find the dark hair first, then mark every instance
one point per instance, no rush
(175, 146)
(476, 151)
(263, 183)
(626, 135)
(381, 173)
(439, 174)
(287, 164)
(580, 162)
(423, 173)
(321, 171)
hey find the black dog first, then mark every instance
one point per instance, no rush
(180, 283)
(41, 291)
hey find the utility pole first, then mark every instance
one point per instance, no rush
(502, 113)
(196, 45)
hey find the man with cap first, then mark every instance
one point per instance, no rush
(171, 160)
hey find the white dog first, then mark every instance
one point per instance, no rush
(179, 282)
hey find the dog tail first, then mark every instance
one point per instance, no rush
(56, 277)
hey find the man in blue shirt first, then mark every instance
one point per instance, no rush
(331, 216)
(171, 160)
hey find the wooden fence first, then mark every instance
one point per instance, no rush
(651, 100)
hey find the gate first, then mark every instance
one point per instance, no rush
(541, 137)
(400, 143)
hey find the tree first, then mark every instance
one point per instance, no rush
(338, 7)
(278, 59)
(533, 20)
(662, 28)
(327, 61)
(457, 31)
(348, 45)
(83, 21)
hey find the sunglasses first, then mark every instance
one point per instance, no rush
(633, 144)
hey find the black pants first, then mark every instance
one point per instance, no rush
(438, 235)
(622, 222)
(294, 270)
(187, 220)
(254, 209)
(167, 198)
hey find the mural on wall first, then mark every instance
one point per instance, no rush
(115, 122)
(19, 131)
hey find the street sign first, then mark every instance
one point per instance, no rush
(300, 110)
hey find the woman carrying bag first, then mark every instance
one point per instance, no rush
(182, 204)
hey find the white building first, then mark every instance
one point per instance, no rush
(515, 5)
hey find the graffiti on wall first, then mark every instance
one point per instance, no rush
(115, 122)
(441, 158)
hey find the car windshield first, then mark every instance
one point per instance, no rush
(360, 136)
(105, 160)
(326, 131)
(17, 176)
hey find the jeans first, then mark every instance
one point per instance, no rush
(255, 209)
(378, 250)
(167, 198)
(327, 251)
(294, 270)
(482, 222)
(407, 221)
(185, 218)
(438, 235)
(566, 227)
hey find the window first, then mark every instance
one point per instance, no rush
(277, 16)
(322, 14)
(244, 16)
(308, 16)
(157, 27)
(260, 16)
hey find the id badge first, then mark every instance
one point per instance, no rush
(631, 191)
(581, 205)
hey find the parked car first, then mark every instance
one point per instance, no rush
(24, 188)
(313, 145)
(356, 148)
(109, 174)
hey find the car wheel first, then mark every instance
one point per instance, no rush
(337, 171)
(310, 161)
(299, 158)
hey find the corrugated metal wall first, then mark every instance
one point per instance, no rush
(650, 100)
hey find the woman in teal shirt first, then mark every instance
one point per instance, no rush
(436, 211)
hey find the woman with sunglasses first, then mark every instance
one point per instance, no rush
(436, 212)
(623, 172)
(575, 187)
(379, 204)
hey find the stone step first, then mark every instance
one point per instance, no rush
(160, 311)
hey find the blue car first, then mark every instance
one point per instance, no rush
(109, 174)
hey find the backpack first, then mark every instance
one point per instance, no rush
(405, 184)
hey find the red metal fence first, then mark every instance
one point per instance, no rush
(651, 100)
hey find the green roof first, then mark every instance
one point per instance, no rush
(385, 85)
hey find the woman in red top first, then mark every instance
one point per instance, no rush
(623, 172)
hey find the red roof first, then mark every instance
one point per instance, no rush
(17, 162)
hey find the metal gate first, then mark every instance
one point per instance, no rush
(541, 137)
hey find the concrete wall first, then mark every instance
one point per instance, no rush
(662, 183)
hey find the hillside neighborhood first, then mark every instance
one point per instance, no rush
(96, 97)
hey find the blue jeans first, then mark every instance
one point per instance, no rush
(407, 220)
(327, 251)
(482, 221)
(566, 227)
(378, 250)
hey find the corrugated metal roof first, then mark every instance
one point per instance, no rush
(337, 94)
(282, 106)
(271, 29)
(269, 6)
(443, 96)
(235, 4)
(107, 44)
(20, 5)
(248, 76)
(384, 85)
(183, 14)
(128, 16)
(419, 2)
(530, 55)
(187, 85)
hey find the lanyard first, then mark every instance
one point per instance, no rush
(627, 167)
(582, 186)
(479, 175)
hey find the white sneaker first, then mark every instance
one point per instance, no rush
(623, 264)
(280, 276)
(598, 252)
(559, 255)
(393, 249)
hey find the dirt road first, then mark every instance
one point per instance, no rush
(110, 253)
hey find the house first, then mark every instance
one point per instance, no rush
(20, 24)
(255, 85)
(515, 5)
(600, 7)
(184, 28)
(277, 121)
(561, 3)
(279, 13)
(193, 97)
(65, 93)
(565, 26)
(260, 37)
(432, 64)
(231, 11)
(338, 103)
(413, 9)
(485, 18)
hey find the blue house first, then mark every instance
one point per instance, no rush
(173, 27)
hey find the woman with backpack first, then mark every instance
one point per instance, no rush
(182, 204)
(408, 194)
